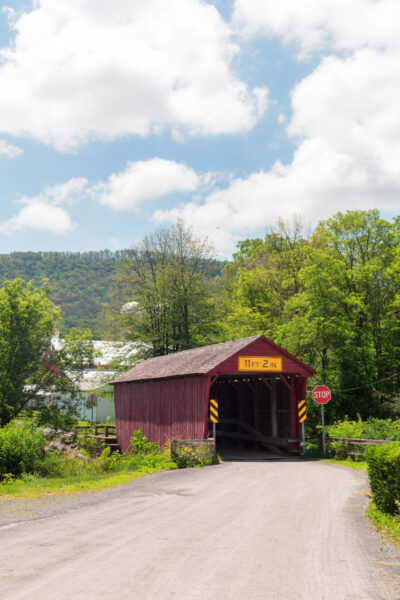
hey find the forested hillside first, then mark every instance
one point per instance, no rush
(81, 279)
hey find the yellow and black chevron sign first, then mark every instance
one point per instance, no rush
(302, 411)
(214, 411)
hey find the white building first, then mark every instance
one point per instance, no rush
(97, 400)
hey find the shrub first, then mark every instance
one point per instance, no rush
(372, 429)
(107, 461)
(346, 429)
(186, 457)
(22, 448)
(384, 475)
(140, 445)
(90, 446)
(51, 465)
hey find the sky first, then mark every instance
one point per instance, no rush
(116, 118)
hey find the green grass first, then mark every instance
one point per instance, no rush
(360, 465)
(34, 487)
(388, 524)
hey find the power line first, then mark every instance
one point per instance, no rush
(367, 384)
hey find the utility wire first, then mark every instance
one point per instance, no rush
(367, 384)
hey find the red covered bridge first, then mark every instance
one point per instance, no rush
(257, 385)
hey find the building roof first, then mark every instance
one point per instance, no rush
(107, 353)
(196, 361)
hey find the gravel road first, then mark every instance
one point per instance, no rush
(240, 530)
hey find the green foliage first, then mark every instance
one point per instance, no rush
(264, 275)
(107, 461)
(29, 366)
(89, 445)
(80, 280)
(186, 457)
(27, 322)
(51, 465)
(333, 300)
(384, 475)
(389, 524)
(167, 279)
(371, 429)
(22, 448)
(139, 444)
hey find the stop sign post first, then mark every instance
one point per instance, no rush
(322, 394)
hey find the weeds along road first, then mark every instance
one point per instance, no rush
(243, 530)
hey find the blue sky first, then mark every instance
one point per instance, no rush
(116, 118)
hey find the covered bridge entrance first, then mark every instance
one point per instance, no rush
(257, 385)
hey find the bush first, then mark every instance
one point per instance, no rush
(22, 448)
(51, 465)
(90, 446)
(372, 429)
(384, 475)
(107, 461)
(140, 445)
(186, 457)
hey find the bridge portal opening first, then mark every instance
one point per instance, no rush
(254, 414)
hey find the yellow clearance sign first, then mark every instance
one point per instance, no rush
(260, 363)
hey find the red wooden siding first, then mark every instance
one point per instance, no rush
(163, 409)
(261, 347)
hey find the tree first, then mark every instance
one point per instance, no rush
(172, 296)
(263, 276)
(29, 366)
(332, 299)
(344, 320)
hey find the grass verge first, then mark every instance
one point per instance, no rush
(348, 462)
(31, 486)
(388, 524)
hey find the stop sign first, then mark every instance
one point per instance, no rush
(321, 394)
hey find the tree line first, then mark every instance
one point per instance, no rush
(79, 280)
(329, 295)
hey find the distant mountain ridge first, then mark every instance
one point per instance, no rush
(82, 279)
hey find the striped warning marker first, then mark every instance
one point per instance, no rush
(302, 411)
(214, 411)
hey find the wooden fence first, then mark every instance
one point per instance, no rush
(353, 445)
(107, 430)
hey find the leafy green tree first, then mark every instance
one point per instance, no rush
(172, 295)
(332, 299)
(263, 276)
(29, 366)
(344, 320)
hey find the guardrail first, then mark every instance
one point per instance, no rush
(351, 443)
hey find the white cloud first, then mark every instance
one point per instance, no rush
(9, 150)
(44, 212)
(144, 180)
(91, 69)
(345, 120)
(70, 192)
(126, 190)
(40, 216)
(316, 24)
